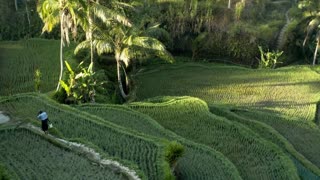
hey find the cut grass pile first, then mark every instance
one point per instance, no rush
(20, 59)
(254, 157)
(30, 156)
(198, 161)
(143, 153)
(292, 91)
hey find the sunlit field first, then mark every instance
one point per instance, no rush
(291, 91)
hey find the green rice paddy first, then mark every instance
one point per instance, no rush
(234, 122)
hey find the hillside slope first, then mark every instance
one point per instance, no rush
(189, 117)
(198, 161)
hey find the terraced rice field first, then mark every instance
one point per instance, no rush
(30, 156)
(239, 123)
(291, 91)
(305, 159)
(144, 154)
(198, 162)
(189, 117)
(304, 136)
(19, 61)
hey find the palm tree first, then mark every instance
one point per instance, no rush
(64, 12)
(126, 43)
(94, 9)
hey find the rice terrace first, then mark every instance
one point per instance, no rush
(160, 89)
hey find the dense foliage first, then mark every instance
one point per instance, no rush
(199, 28)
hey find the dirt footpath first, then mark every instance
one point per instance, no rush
(3, 118)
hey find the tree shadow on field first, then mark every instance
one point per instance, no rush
(277, 104)
(314, 84)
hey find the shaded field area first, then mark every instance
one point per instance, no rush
(28, 155)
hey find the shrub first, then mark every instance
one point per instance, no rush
(80, 86)
(173, 152)
(37, 80)
(3, 173)
(269, 59)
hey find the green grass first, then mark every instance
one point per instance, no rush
(292, 91)
(31, 156)
(20, 59)
(198, 162)
(143, 153)
(254, 157)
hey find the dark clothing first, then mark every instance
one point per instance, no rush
(44, 125)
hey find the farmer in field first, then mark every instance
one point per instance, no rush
(44, 121)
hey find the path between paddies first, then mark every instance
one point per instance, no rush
(3, 118)
(116, 166)
(96, 156)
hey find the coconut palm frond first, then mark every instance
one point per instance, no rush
(148, 43)
(153, 45)
(125, 56)
(103, 46)
(49, 13)
(123, 5)
(313, 24)
(82, 45)
(107, 15)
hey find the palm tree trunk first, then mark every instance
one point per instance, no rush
(316, 50)
(123, 94)
(16, 4)
(126, 76)
(27, 11)
(91, 41)
(90, 32)
(61, 50)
